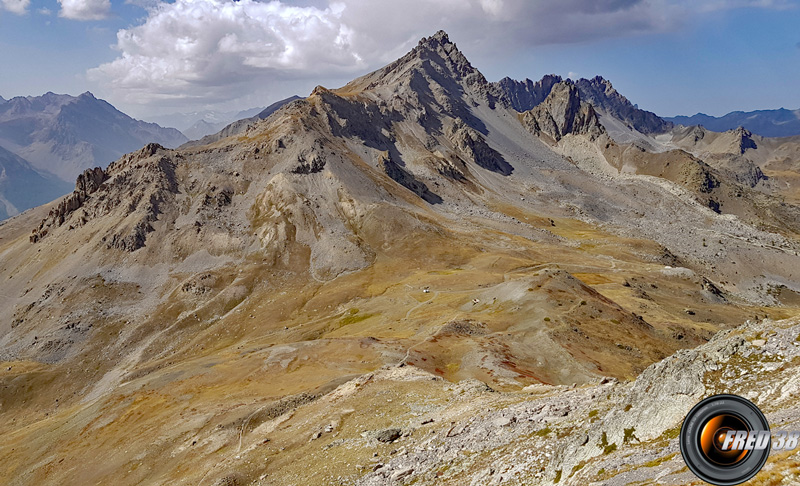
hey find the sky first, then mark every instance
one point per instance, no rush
(153, 57)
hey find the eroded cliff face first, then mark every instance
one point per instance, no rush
(131, 192)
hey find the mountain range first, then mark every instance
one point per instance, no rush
(767, 123)
(62, 135)
(419, 277)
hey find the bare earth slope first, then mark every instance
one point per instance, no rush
(186, 315)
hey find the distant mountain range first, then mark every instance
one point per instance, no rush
(767, 123)
(56, 137)
(64, 135)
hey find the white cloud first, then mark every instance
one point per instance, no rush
(44, 11)
(85, 9)
(196, 49)
(492, 7)
(217, 50)
(18, 7)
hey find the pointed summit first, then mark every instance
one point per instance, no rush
(439, 38)
(435, 64)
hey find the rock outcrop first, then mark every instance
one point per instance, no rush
(86, 185)
(524, 95)
(134, 186)
(610, 433)
(563, 113)
(744, 139)
(473, 147)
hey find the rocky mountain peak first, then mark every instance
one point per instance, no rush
(563, 113)
(524, 95)
(601, 81)
(440, 38)
(439, 45)
(435, 59)
(744, 139)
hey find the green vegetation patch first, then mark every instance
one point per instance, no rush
(630, 434)
(607, 448)
(660, 460)
(352, 316)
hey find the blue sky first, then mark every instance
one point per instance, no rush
(149, 57)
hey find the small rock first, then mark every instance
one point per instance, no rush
(389, 435)
(402, 474)
(503, 421)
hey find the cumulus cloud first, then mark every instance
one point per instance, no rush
(215, 50)
(18, 7)
(85, 9)
(195, 49)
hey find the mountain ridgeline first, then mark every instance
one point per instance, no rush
(767, 123)
(525, 95)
